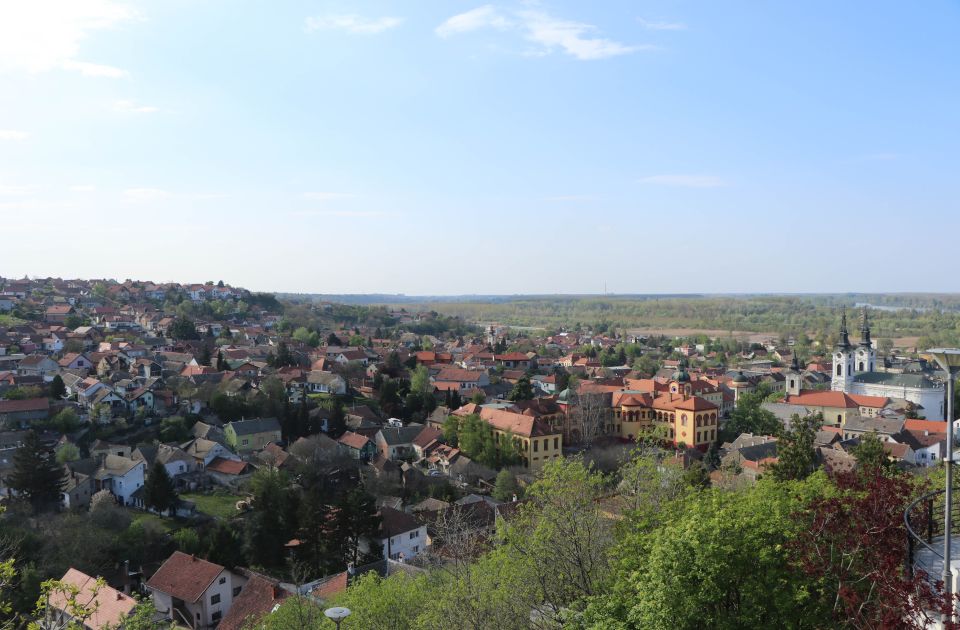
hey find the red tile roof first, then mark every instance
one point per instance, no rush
(27, 404)
(353, 440)
(227, 466)
(184, 576)
(110, 606)
(258, 597)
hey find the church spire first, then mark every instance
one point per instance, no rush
(865, 330)
(844, 342)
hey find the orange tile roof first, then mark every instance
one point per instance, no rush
(933, 426)
(227, 466)
(110, 606)
(184, 576)
(353, 440)
(808, 398)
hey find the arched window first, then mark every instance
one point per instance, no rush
(861, 366)
(839, 370)
(839, 419)
(683, 419)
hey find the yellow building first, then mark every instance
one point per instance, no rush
(535, 441)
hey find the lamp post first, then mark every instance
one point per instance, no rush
(337, 614)
(949, 361)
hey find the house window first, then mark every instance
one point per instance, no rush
(215, 599)
(216, 616)
(416, 549)
(236, 591)
(245, 442)
(556, 443)
(223, 580)
(535, 445)
(414, 535)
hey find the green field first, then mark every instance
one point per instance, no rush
(220, 504)
(167, 524)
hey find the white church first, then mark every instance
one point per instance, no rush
(854, 372)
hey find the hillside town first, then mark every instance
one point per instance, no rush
(223, 451)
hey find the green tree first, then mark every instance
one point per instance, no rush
(36, 477)
(750, 417)
(356, 517)
(451, 430)
(522, 389)
(796, 457)
(870, 453)
(68, 452)
(506, 486)
(159, 492)
(67, 421)
(420, 380)
(57, 388)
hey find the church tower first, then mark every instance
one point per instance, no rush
(843, 356)
(866, 354)
(794, 377)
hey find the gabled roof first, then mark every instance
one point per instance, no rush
(26, 404)
(227, 466)
(110, 606)
(353, 440)
(258, 597)
(400, 435)
(184, 576)
(395, 522)
(255, 425)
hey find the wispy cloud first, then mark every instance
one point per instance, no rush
(685, 181)
(352, 23)
(327, 196)
(83, 188)
(486, 16)
(355, 214)
(13, 134)
(144, 195)
(547, 32)
(88, 69)
(44, 35)
(661, 26)
(132, 107)
(13, 191)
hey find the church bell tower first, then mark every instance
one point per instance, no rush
(843, 359)
(866, 354)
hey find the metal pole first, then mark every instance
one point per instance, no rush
(947, 573)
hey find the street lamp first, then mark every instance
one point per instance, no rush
(949, 361)
(337, 614)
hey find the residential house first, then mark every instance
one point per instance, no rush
(38, 365)
(357, 446)
(459, 378)
(122, 476)
(75, 361)
(245, 436)
(397, 442)
(193, 592)
(174, 459)
(204, 451)
(108, 608)
(325, 383)
(259, 597)
(401, 536)
(58, 313)
(23, 413)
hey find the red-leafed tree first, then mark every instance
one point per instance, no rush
(855, 549)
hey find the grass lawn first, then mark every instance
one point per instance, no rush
(167, 524)
(220, 504)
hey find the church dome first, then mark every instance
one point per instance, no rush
(740, 378)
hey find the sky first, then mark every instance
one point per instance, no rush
(450, 147)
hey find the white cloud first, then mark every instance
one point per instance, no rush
(327, 196)
(352, 23)
(661, 26)
(132, 107)
(144, 195)
(43, 35)
(549, 33)
(88, 69)
(685, 181)
(13, 134)
(486, 16)
(13, 191)
(83, 188)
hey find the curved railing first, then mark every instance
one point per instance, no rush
(924, 519)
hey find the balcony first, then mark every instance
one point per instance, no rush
(924, 519)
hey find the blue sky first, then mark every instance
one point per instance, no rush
(454, 147)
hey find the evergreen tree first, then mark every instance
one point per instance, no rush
(205, 355)
(57, 388)
(225, 547)
(222, 364)
(159, 491)
(355, 517)
(522, 390)
(36, 477)
(337, 424)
